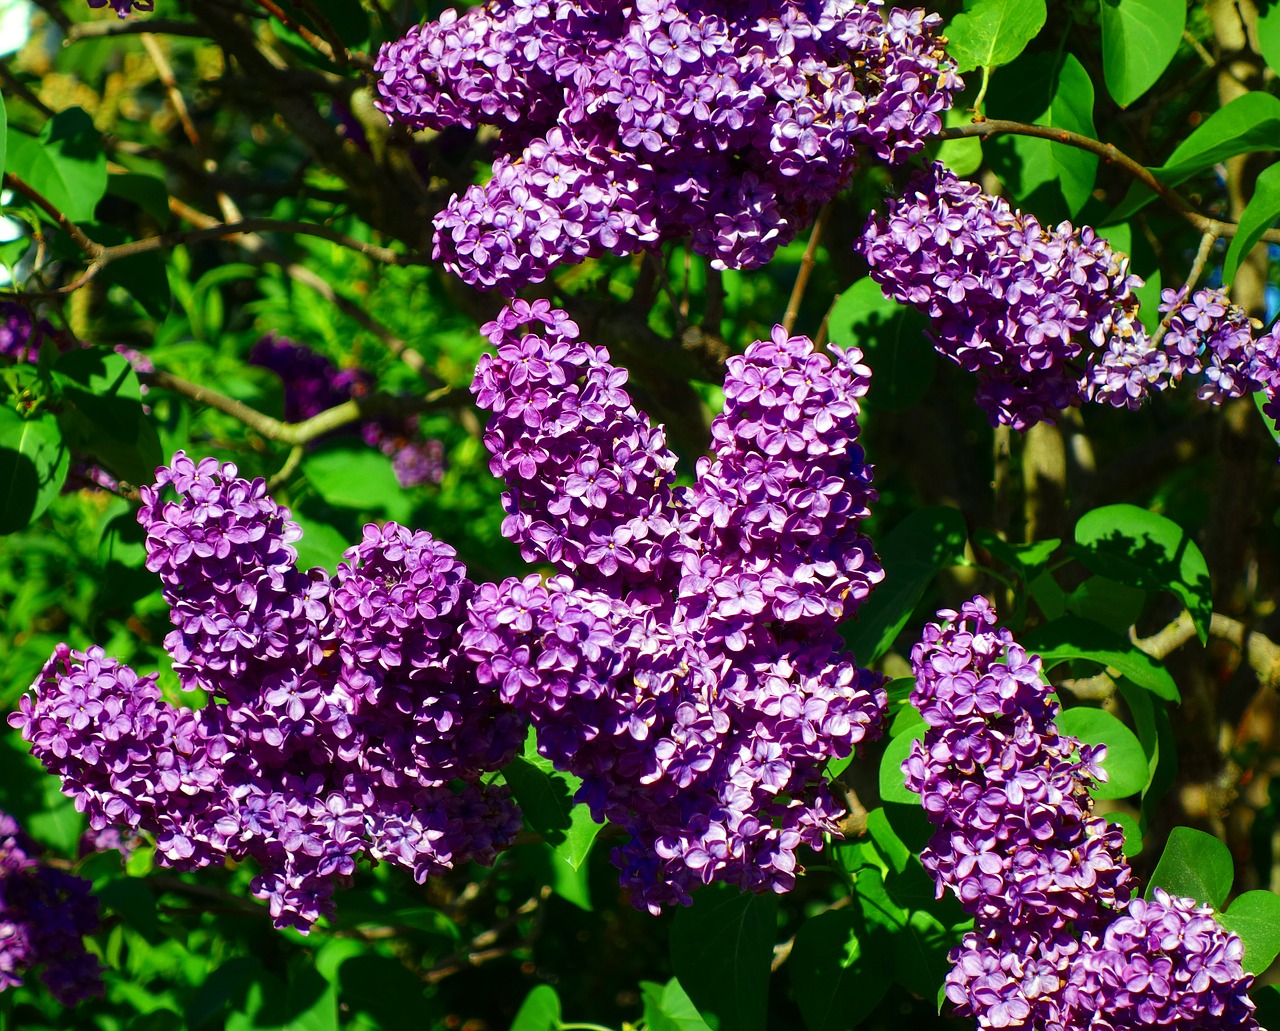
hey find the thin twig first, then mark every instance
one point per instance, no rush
(1108, 152)
(13, 84)
(298, 433)
(91, 249)
(807, 263)
(1197, 267)
(339, 55)
(113, 27)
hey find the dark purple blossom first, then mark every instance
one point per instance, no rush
(45, 914)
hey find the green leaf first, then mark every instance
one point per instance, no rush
(66, 163)
(321, 545)
(1045, 90)
(349, 474)
(1028, 560)
(4, 133)
(1072, 637)
(1139, 39)
(1137, 547)
(33, 467)
(893, 782)
(146, 191)
(1194, 865)
(721, 950)
(142, 277)
(964, 155)
(912, 553)
(1269, 32)
(102, 414)
(1255, 916)
(1126, 763)
(988, 33)
(837, 975)
(381, 989)
(891, 337)
(916, 940)
(1258, 216)
(669, 1008)
(1107, 601)
(546, 799)
(1260, 399)
(540, 1011)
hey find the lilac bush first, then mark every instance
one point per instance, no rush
(1058, 940)
(624, 125)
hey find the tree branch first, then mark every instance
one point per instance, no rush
(806, 269)
(158, 26)
(1108, 152)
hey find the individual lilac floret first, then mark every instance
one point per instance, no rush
(1031, 311)
(1058, 943)
(624, 125)
(45, 914)
(344, 719)
(684, 663)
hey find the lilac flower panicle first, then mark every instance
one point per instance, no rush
(1058, 943)
(346, 724)
(45, 914)
(683, 660)
(1047, 318)
(1037, 314)
(624, 125)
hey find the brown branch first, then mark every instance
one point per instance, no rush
(806, 269)
(296, 434)
(158, 26)
(1108, 152)
(1261, 653)
(91, 249)
(1197, 266)
(338, 54)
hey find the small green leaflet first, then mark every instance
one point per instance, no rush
(33, 467)
(66, 163)
(989, 33)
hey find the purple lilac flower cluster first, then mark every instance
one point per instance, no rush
(346, 721)
(626, 124)
(1047, 318)
(1027, 309)
(312, 385)
(683, 661)
(1058, 942)
(45, 914)
(21, 334)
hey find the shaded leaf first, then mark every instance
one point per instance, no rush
(721, 950)
(66, 163)
(1141, 548)
(838, 975)
(1072, 637)
(912, 553)
(892, 340)
(33, 467)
